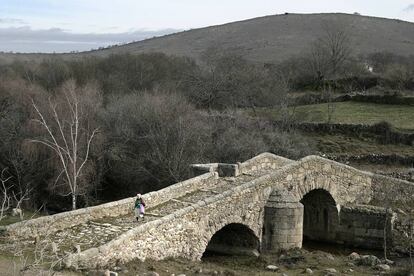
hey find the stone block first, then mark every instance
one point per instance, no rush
(278, 238)
(294, 239)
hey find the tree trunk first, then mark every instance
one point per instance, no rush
(385, 233)
(73, 201)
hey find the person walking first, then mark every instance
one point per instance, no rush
(139, 207)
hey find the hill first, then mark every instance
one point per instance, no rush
(268, 39)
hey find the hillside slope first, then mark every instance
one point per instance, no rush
(271, 38)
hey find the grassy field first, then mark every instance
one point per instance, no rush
(339, 144)
(26, 215)
(400, 116)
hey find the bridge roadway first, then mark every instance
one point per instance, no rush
(94, 233)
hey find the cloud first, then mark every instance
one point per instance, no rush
(409, 8)
(25, 39)
(8, 20)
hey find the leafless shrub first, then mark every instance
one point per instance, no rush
(5, 196)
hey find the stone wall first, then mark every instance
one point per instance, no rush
(263, 161)
(363, 226)
(392, 192)
(344, 183)
(50, 224)
(185, 233)
(260, 162)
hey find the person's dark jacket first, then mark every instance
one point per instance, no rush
(138, 202)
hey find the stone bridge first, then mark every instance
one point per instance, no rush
(267, 203)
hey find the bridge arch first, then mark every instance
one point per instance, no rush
(321, 215)
(233, 239)
(319, 181)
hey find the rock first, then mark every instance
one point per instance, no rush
(284, 274)
(272, 268)
(110, 273)
(16, 212)
(399, 211)
(308, 271)
(383, 267)
(388, 262)
(54, 247)
(400, 249)
(368, 260)
(153, 273)
(354, 256)
(330, 270)
(117, 268)
(77, 249)
(350, 270)
(330, 257)
(181, 275)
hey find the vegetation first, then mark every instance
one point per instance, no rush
(77, 132)
(259, 41)
(399, 116)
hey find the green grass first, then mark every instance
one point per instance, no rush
(340, 144)
(400, 116)
(26, 215)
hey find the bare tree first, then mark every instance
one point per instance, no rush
(5, 196)
(68, 136)
(327, 60)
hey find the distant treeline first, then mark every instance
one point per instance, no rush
(153, 115)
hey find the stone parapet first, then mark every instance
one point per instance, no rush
(50, 224)
(264, 161)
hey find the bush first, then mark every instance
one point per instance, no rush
(153, 139)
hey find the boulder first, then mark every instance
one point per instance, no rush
(16, 212)
(110, 273)
(388, 262)
(272, 268)
(308, 271)
(331, 271)
(368, 260)
(354, 256)
(382, 267)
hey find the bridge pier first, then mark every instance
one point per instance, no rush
(283, 222)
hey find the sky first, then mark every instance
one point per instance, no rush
(78, 25)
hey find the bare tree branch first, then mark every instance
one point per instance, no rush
(69, 153)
